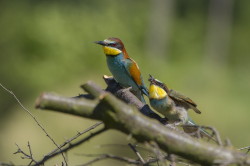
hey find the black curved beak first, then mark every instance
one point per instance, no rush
(100, 42)
(151, 79)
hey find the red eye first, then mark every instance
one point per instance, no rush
(112, 44)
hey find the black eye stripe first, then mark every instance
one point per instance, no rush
(112, 44)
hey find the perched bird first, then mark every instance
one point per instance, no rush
(124, 69)
(162, 103)
(174, 106)
(179, 99)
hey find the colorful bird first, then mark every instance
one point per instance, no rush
(179, 99)
(124, 69)
(162, 103)
(173, 106)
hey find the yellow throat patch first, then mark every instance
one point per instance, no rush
(155, 92)
(111, 51)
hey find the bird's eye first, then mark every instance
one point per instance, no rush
(112, 44)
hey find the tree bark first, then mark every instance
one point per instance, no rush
(126, 118)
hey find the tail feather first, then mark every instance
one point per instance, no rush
(144, 90)
(195, 109)
(139, 95)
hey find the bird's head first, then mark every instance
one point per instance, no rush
(112, 46)
(156, 91)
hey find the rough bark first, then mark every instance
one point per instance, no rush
(126, 118)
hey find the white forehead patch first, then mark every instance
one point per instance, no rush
(108, 41)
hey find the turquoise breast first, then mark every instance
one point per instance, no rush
(117, 68)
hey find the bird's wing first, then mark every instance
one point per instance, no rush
(133, 70)
(184, 100)
(178, 96)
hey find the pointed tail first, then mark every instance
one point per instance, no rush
(144, 90)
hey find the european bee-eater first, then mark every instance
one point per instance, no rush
(179, 99)
(162, 103)
(124, 69)
(173, 106)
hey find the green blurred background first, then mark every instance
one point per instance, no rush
(200, 48)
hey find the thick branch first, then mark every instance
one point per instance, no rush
(120, 116)
(129, 98)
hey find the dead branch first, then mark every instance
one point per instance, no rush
(136, 152)
(199, 133)
(247, 147)
(244, 148)
(129, 98)
(35, 119)
(117, 115)
(75, 137)
(69, 147)
(25, 155)
(7, 164)
(99, 157)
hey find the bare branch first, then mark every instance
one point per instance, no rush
(247, 147)
(199, 133)
(69, 147)
(37, 122)
(25, 155)
(160, 157)
(99, 157)
(137, 153)
(123, 146)
(120, 116)
(128, 97)
(75, 137)
(7, 164)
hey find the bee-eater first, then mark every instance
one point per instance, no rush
(162, 103)
(179, 99)
(173, 106)
(124, 69)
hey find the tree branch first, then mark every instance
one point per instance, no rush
(127, 97)
(127, 119)
(99, 157)
(137, 153)
(69, 141)
(35, 119)
(70, 146)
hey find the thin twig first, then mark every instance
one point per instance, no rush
(137, 153)
(247, 147)
(76, 136)
(160, 157)
(37, 122)
(8, 164)
(70, 146)
(25, 155)
(199, 131)
(149, 161)
(31, 155)
(124, 146)
(99, 157)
